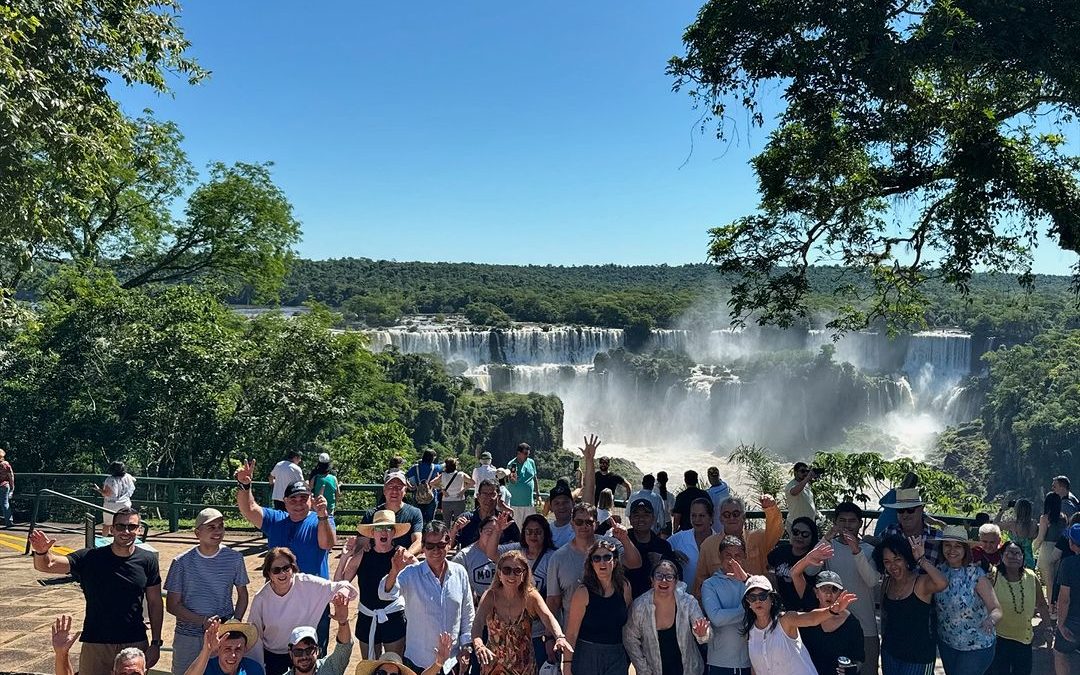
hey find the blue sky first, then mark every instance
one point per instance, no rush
(469, 131)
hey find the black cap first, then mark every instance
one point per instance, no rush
(297, 488)
(562, 488)
(643, 503)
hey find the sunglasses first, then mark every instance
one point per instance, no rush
(278, 569)
(602, 557)
(730, 514)
(908, 510)
(758, 597)
(126, 527)
(383, 528)
(582, 522)
(511, 571)
(441, 545)
(801, 533)
(664, 576)
(303, 651)
(533, 531)
(383, 671)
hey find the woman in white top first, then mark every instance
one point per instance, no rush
(775, 645)
(116, 492)
(687, 543)
(289, 599)
(453, 484)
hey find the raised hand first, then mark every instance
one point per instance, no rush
(736, 571)
(443, 647)
(340, 601)
(211, 638)
(820, 553)
(918, 547)
(245, 472)
(400, 560)
(767, 502)
(701, 627)
(842, 602)
(40, 542)
(854, 542)
(63, 639)
(319, 506)
(502, 521)
(592, 442)
(618, 531)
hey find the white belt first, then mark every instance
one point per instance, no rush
(379, 616)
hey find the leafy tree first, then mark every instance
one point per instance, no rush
(58, 122)
(761, 466)
(486, 314)
(957, 108)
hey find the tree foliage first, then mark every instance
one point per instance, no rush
(955, 109)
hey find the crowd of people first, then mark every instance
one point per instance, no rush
(680, 583)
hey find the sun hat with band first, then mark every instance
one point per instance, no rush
(384, 518)
(388, 659)
(251, 634)
(956, 533)
(906, 498)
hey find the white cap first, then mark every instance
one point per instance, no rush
(324, 458)
(757, 581)
(301, 632)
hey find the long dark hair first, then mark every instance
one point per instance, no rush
(749, 618)
(549, 541)
(1025, 524)
(661, 484)
(1052, 507)
(809, 522)
(589, 578)
(321, 469)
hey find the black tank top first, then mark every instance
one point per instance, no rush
(604, 619)
(670, 655)
(373, 567)
(906, 626)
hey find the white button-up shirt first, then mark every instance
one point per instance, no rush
(432, 607)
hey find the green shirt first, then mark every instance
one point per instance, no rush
(335, 664)
(521, 491)
(328, 484)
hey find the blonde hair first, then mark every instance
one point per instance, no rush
(606, 499)
(514, 556)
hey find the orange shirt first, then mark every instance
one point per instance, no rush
(758, 544)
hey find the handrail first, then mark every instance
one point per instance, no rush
(46, 493)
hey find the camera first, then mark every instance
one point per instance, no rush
(817, 472)
(1012, 503)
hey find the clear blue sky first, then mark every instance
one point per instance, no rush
(468, 131)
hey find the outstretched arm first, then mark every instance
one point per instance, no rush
(62, 641)
(44, 559)
(245, 501)
(588, 476)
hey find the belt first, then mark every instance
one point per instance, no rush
(379, 616)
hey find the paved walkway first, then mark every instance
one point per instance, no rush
(27, 608)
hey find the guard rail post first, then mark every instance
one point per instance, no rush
(174, 508)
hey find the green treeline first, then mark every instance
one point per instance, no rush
(171, 381)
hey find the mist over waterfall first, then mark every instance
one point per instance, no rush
(685, 394)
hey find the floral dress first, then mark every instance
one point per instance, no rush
(960, 610)
(511, 642)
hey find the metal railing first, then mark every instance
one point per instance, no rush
(89, 521)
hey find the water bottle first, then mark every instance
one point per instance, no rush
(844, 666)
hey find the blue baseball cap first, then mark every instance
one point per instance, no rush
(1074, 533)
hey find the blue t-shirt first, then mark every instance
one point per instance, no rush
(246, 667)
(302, 538)
(419, 473)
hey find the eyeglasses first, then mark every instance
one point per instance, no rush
(909, 510)
(664, 576)
(802, 533)
(303, 651)
(533, 531)
(511, 571)
(582, 522)
(758, 597)
(730, 514)
(431, 546)
(602, 557)
(278, 569)
(126, 527)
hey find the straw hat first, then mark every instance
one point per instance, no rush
(906, 498)
(251, 634)
(382, 519)
(389, 658)
(957, 533)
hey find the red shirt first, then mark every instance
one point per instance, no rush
(984, 559)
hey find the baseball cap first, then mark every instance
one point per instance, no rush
(829, 578)
(395, 475)
(297, 488)
(324, 458)
(485, 455)
(303, 633)
(207, 515)
(561, 489)
(1074, 533)
(757, 581)
(642, 503)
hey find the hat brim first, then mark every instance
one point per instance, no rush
(756, 587)
(369, 667)
(829, 583)
(368, 529)
(251, 634)
(904, 505)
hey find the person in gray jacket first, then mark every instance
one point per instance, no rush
(721, 598)
(665, 626)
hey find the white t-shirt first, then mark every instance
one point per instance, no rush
(484, 472)
(562, 534)
(285, 473)
(800, 505)
(122, 489)
(453, 486)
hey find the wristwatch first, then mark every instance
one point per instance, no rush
(157, 643)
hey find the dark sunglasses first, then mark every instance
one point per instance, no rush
(664, 576)
(278, 569)
(758, 597)
(909, 510)
(802, 533)
(730, 514)
(582, 522)
(303, 651)
(383, 671)
(441, 545)
(533, 531)
(126, 527)
(602, 557)
(511, 571)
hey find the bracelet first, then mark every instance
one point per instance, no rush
(323, 517)
(833, 613)
(36, 553)
(244, 486)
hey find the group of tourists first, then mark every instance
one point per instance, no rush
(680, 584)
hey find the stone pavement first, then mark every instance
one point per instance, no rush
(27, 608)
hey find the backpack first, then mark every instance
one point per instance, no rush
(424, 493)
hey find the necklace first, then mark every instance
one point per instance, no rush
(1019, 610)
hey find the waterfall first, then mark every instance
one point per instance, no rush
(937, 360)
(520, 346)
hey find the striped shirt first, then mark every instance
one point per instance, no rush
(205, 584)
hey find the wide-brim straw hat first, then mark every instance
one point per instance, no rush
(906, 498)
(382, 519)
(369, 667)
(957, 533)
(251, 634)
